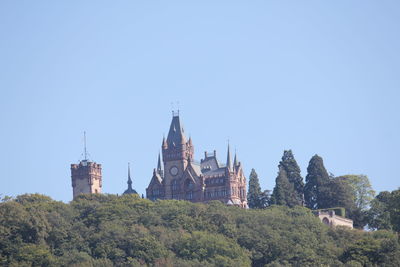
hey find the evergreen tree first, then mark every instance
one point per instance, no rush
(317, 176)
(254, 196)
(284, 193)
(294, 176)
(336, 193)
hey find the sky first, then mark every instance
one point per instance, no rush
(317, 77)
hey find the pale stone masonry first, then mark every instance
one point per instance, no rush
(329, 218)
(185, 179)
(86, 178)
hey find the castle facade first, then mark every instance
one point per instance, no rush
(183, 178)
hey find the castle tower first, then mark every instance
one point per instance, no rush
(86, 176)
(176, 153)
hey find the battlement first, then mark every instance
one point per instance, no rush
(86, 178)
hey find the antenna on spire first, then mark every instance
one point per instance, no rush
(84, 144)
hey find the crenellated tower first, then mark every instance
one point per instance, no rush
(86, 176)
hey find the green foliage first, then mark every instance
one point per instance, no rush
(109, 230)
(362, 190)
(289, 164)
(317, 176)
(385, 211)
(256, 199)
(284, 192)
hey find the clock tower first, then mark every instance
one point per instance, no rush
(177, 153)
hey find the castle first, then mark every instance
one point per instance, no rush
(181, 177)
(184, 178)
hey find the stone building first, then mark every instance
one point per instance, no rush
(86, 177)
(181, 177)
(329, 218)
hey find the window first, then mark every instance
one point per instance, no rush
(189, 184)
(175, 185)
(189, 195)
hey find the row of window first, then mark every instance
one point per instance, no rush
(210, 194)
(216, 193)
(215, 181)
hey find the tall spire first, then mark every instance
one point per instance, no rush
(228, 159)
(235, 161)
(129, 177)
(159, 168)
(130, 190)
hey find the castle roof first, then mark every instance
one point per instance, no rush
(176, 135)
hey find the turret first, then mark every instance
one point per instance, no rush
(130, 190)
(86, 176)
(228, 159)
(159, 167)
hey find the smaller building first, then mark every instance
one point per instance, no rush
(130, 190)
(329, 218)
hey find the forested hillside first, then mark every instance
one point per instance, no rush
(109, 230)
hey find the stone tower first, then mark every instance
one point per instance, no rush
(86, 176)
(186, 179)
(177, 153)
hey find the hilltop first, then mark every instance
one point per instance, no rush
(110, 230)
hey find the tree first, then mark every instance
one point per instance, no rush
(317, 176)
(385, 211)
(378, 215)
(362, 193)
(362, 190)
(336, 193)
(294, 176)
(255, 197)
(284, 193)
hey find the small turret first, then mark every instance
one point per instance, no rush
(235, 161)
(228, 159)
(159, 168)
(130, 190)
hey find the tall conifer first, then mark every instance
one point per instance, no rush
(294, 176)
(284, 193)
(254, 196)
(316, 178)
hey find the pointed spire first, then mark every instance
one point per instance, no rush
(228, 159)
(130, 190)
(159, 166)
(235, 161)
(129, 177)
(159, 162)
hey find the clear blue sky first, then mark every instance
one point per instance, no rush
(317, 77)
